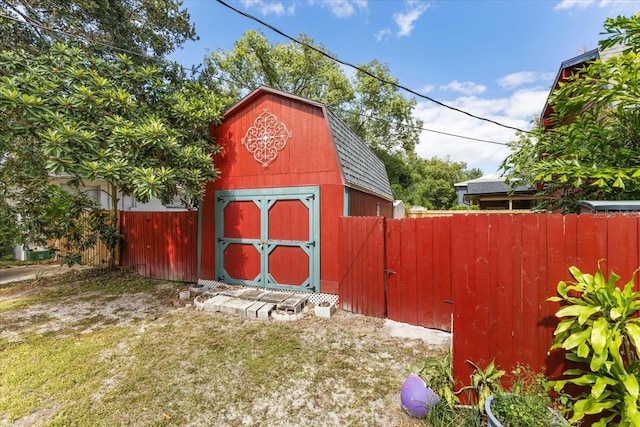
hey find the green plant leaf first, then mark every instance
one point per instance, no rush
(581, 311)
(586, 379)
(598, 360)
(576, 339)
(583, 350)
(599, 334)
(613, 344)
(600, 385)
(631, 384)
(631, 410)
(633, 332)
(615, 313)
(563, 326)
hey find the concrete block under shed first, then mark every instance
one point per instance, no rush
(235, 292)
(274, 297)
(242, 309)
(293, 304)
(252, 310)
(254, 294)
(265, 311)
(214, 303)
(231, 306)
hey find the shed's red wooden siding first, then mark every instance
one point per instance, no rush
(161, 245)
(365, 204)
(309, 159)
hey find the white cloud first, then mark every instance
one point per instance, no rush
(268, 7)
(517, 110)
(343, 8)
(405, 20)
(571, 4)
(514, 80)
(616, 7)
(383, 34)
(427, 88)
(465, 88)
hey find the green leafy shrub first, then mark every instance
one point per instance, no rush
(522, 410)
(600, 332)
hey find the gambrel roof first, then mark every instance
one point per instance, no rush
(360, 166)
(361, 169)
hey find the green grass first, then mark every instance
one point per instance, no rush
(176, 367)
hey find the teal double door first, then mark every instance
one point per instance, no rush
(269, 238)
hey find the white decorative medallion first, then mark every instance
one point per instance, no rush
(266, 138)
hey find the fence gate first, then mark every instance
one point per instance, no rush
(269, 237)
(400, 269)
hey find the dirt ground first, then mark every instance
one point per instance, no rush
(369, 346)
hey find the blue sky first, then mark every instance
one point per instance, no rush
(495, 59)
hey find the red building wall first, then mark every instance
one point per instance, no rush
(308, 159)
(364, 204)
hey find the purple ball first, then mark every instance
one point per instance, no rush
(416, 397)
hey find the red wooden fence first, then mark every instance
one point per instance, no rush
(505, 268)
(498, 269)
(362, 265)
(419, 272)
(414, 256)
(161, 245)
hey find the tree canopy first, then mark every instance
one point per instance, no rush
(66, 113)
(431, 182)
(143, 27)
(591, 151)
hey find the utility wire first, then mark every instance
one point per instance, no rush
(376, 117)
(163, 62)
(355, 67)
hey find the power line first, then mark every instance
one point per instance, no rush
(163, 62)
(355, 67)
(373, 116)
(465, 137)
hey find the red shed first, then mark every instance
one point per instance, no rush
(290, 168)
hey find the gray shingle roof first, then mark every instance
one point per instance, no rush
(360, 166)
(491, 185)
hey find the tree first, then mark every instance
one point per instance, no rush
(70, 114)
(592, 150)
(432, 182)
(380, 114)
(375, 111)
(292, 68)
(144, 27)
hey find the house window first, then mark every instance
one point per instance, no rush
(91, 191)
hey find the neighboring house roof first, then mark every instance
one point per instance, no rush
(360, 167)
(610, 205)
(567, 68)
(490, 186)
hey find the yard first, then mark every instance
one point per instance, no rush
(109, 348)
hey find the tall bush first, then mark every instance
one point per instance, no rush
(599, 331)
